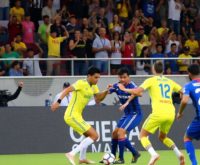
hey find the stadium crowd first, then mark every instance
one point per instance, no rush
(97, 29)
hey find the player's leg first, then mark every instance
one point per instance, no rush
(164, 130)
(190, 149)
(114, 142)
(193, 132)
(149, 127)
(83, 128)
(135, 122)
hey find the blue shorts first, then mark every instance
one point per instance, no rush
(193, 130)
(129, 122)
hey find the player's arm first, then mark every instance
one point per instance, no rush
(122, 107)
(183, 104)
(65, 92)
(100, 96)
(136, 91)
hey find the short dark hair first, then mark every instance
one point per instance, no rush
(194, 69)
(14, 64)
(93, 70)
(45, 16)
(30, 50)
(158, 67)
(159, 44)
(123, 70)
(173, 44)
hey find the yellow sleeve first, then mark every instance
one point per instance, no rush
(180, 61)
(187, 43)
(23, 45)
(61, 39)
(197, 45)
(95, 89)
(11, 11)
(78, 85)
(119, 6)
(147, 83)
(177, 87)
(111, 26)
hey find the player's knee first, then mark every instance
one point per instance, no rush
(186, 139)
(161, 137)
(95, 137)
(121, 133)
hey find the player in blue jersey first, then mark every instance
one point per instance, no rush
(131, 118)
(192, 90)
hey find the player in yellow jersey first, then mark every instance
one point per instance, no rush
(160, 89)
(82, 91)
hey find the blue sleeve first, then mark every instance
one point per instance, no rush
(113, 89)
(186, 89)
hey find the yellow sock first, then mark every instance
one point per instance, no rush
(168, 142)
(145, 142)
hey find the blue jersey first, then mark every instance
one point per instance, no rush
(193, 90)
(134, 106)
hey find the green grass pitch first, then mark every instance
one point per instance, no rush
(166, 158)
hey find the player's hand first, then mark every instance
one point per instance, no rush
(21, 84)
(122, 107)
(179, 116)
(121, 87)
(109, 86)
(55, 106)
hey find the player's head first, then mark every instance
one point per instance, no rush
(123, 74)
(193, 71)
(93, 75)
(157, 68)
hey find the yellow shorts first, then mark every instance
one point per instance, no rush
(78, 124)
(154, 122)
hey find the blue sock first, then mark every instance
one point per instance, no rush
(130, 147)
(121, 143)
(191, 152)
(114, 144)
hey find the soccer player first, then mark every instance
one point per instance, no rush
(131, 118)
(163, 112)
(82, 91)
(192, 90)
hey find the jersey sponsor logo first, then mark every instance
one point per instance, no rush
(123, 97)
(196, 84)
(87, 96)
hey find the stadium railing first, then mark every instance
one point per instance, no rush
(72, 60)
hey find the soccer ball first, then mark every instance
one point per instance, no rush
(108, 158)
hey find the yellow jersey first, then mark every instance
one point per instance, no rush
(160, 90)
(19, 46)
(194, 46)
(18, 12)
(54, 46)
(81, 95)
(183, 64)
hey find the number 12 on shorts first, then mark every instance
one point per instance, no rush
(165, 89)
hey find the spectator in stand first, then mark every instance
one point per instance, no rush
(183, 64)
(175, 8)
(172, 64)
(186, 28)
(54, 42)
(85, 24)
(28, 28)
(17, 11)
(4, 9)
(49, 10)
(42, 33)
(2, 65)
(14, 28)
(172, 39)
(78, 48)
(193, 45)
(140, 43)
(124, 8)
(72, 26)
(89, 52)
(149, 8)
(9, 54)
(101, 18)
(15, 69)
(18, 45)
(58, 27)
(32, 68)
(94, 6)
(163, 30)
(143, 67)
(101, 48)
(159, 51)
(116, 25)
(128, 52)
(116, 46)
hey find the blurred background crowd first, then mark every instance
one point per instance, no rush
(87, 29)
